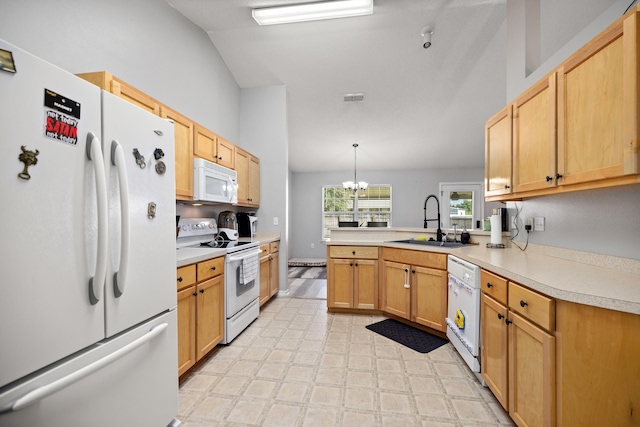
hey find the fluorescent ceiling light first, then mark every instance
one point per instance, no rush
(312, 11)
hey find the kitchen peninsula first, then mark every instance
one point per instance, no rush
(568, 318)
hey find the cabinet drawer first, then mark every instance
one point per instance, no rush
(427, 259)
(264, 250)
(534, 306)
(186, 276)
(210, 268)
(274, 247)
(361, 252)
(493, 285)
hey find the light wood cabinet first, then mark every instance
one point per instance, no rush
(498, 159)
(183, 135)
(534, 137)
(200, 310)
(518, 357)
(213, 148)
(248, 168)
(269, 271)
(598, 368)
(577, 128)
(416, 291)
(114, 85)
(352, 277)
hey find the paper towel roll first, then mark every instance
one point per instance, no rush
(496, 229)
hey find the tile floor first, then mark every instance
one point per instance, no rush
(298, 365)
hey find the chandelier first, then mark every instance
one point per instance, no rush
(355, 185)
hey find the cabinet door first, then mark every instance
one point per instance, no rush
(591, 110)
(186, 329)
(204, 143)
(242, 168)
(498, 161)
(274, 279)
(396, 291)
(340, 283)
(494, 351)
(225, 152)
(254, 181)
(534, 137)
(429, 297)
(365, 284)
(265, 275)
(210, 315)
(532, 373)
(134, 96)
(183, 130)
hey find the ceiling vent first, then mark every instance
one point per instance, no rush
(353, 97)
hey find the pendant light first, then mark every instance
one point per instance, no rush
(355, 185)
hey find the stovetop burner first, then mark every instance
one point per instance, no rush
(224, 244)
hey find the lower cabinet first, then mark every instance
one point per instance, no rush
(518, 353)
(200, 310)
(269, 270)
(352, 277)
(416, 291)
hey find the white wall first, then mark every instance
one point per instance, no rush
(146, 43)
(409, 189)
(264, 134)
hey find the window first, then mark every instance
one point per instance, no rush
(461, 204)
(370, 205)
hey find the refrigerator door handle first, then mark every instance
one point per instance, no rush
(46, 390)
(118, 160)
(96, 283)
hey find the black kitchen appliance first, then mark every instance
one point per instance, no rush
(244, 224)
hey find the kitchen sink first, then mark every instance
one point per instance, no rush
(430, 243)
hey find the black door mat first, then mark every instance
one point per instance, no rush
(415, 339)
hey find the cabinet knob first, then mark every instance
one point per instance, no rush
(202, 291)
(351, 264)
(506, 187)
(508, 322)
(523, 303)
(213, 268)
(500, 316)
(489, 285)
(195, 294)
(558, 176)
(406, 270)
(356, 264)
(180, 279)
(549, 178)
(354, 252)
(413, 271)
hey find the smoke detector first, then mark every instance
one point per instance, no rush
(353, 97)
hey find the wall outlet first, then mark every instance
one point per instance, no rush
(313, 245)
(275, 220)
(538, 223)
(528, 224)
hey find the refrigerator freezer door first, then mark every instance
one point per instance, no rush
(141, 272)
(49, 234)
(136, 384)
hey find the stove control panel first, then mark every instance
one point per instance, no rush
(191, 227)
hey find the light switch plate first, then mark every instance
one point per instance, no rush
(538, 223)
(275, 220)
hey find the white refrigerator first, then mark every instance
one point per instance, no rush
(87, 264)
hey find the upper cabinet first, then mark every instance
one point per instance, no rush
(183, 131)
(498, 153)
(213, 148)
(191, 140)
(577, 128)
(248, 168)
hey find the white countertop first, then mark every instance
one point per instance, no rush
(608, 285)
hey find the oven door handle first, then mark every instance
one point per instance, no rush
(244, 255)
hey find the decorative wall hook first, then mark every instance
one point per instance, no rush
(29, 158)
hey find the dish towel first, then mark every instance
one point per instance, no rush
(249, 269)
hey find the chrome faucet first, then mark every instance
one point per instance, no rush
(439, 231)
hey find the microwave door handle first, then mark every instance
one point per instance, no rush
(231, 189)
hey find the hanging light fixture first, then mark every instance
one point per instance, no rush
(355, 185)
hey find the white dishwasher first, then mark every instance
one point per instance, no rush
(463, 313)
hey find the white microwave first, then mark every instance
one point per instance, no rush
(214, 183)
